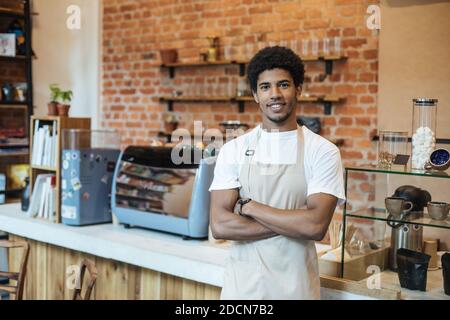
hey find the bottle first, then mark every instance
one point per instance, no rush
(26, 195)
(423, 131)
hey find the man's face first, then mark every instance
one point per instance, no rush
(276, 95)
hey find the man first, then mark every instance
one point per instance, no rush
(283, 181)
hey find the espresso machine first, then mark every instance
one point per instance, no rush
(407, 235)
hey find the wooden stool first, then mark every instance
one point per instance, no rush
(19, 277)
(90, 266)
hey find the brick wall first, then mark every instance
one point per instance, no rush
(135, 31)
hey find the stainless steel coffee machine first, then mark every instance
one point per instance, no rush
(406, 204)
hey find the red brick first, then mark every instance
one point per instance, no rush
(362, 121)
(316, 24)
(329, 121)
(349, 32)
(373, 88)
(367, 99)
(347, 12)
(363, 144)
(351, 132)
(346, 121)
(260, 9)
(367, 77)
(358, 176)
(370, 54)
(351, 154)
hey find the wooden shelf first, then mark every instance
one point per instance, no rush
(327, 100)
(13, 145)
(43, 168)
(14, 154)
(13, 103)
(168, 136)
(242, 63)
(13, 59)
(172, 66)
(201, 63)
(61, 123)
(196, 98)
(9, 13)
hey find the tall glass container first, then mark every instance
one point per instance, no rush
(423, 131)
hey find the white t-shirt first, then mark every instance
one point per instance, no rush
(322, 160)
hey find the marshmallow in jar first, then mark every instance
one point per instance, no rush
(423, 131)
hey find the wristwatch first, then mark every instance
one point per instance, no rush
(241, 202)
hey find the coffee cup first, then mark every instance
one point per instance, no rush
(438, 210)
(397, 206)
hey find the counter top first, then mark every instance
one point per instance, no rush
(197, 260)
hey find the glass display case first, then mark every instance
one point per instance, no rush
(390, 209)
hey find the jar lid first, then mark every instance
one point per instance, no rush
(425, 101)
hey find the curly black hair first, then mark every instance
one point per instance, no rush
(272, 58)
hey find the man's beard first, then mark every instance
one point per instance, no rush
(281, 118)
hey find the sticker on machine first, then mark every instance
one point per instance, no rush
(76, 184)
(65, 164)
(68, 212)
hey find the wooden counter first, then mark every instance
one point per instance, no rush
(134, 263)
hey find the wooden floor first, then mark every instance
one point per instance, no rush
(50, 275)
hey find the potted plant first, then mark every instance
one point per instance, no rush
(54, 96)
(66, 98)
(170, 122)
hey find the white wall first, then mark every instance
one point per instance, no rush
(414, 61)
(70, 58)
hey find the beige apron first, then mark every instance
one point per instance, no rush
(278, 267)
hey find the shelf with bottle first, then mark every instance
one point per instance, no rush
(18, 58)
(11, 13)
(14, 153)
(328, 59)
(13, 104)
(327, 100)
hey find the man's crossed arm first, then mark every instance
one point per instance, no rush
(262, 221)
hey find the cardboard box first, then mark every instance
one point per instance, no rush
(356, 266)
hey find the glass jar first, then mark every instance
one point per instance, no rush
(423, 131)
(391, 144)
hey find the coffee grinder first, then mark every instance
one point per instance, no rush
(409, 207)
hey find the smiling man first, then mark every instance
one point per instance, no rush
(275, 190)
